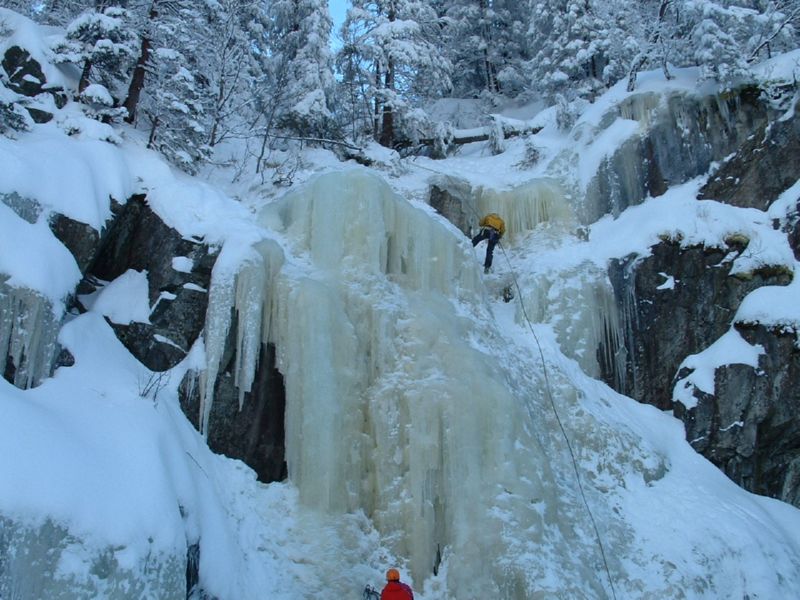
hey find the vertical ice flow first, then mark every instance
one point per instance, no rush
(396, 401)
(525, 206)
(404, 401)
(29, 327)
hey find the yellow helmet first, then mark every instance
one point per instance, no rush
(392, 575)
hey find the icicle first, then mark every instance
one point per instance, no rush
(246, 295)
(29, 326)
(526, 206)
(218, 322)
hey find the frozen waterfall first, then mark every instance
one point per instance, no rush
(405, 403)
(401, 401)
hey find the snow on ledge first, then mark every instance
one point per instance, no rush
(773, 305)
(730, 349)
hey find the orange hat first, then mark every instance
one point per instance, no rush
(392, 575)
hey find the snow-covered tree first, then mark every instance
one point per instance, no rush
(574, 47)
(233, 65)
(390, 49)
(103, 42)
(469, 36)
(719, 37)
(777, 29)
(714, 46)
(175, 95)
(299, 39)
(486, 42)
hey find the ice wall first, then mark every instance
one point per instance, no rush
(580, 304)
(400, 400)
(44, 560)
(28, 331)
(522, 207)
(526, 206)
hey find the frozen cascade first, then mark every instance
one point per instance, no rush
(28, 330)
(393, 407)
(582, 308)
(580, 302)
(522, 207)
(404, 402)
(398, 404)
(525, 206)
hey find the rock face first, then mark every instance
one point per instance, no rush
(749, 427)
(674, 303)
(762, 168)
(137, 239)
(450, 198)
(253, 432)
(685, 134)
(32, 559)
(26, 78)
(679, 300)
(25, 75)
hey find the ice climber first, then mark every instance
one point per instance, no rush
(395, 589)
(492, 229)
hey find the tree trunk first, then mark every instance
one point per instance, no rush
(139, 71)
(84, 81)
(387, 124)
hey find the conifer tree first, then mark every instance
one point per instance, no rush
(390, 47)
(573, 48)
(302, 65)
(103, 42)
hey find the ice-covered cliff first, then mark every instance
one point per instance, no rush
(415, 396)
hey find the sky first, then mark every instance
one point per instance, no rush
(338, 9)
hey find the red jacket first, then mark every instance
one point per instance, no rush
(395, 590)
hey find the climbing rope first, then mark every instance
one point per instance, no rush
(549, 390)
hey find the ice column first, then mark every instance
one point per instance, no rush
(400, 399)
(525, 206)
(28, 333)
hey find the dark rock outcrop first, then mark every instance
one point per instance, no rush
(451, 200)
(253, 433)
(26, 78)
(674, 303)
(138, 239)
(80, 239)
(749, 427)
(25, 75)
(683, 137)
(766, 165)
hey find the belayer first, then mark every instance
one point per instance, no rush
(395, 589)
(492, 229)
